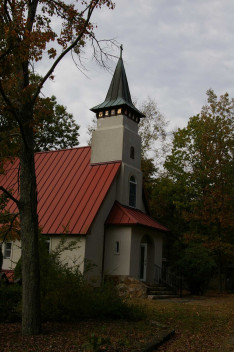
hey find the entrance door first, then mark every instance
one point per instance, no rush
(143, 261)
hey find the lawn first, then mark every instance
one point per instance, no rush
(201, 324)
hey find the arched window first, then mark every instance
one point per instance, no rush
(132, 192)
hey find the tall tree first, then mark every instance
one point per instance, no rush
(54, 128)
(27, 35)
(201, 168)
(152, 130)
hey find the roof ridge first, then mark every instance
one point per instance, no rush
(106, 162)
(124, 209)
(64, 149)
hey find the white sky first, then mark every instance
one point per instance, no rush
(174, 51)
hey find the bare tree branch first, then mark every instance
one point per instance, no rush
(9, 195)
(69, 48)
(13, 111)
(9, 228)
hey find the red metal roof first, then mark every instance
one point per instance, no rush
(122, 215)
(70, 189)
(9, 274)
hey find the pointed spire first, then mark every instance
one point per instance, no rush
(121, 50)
(118, 95)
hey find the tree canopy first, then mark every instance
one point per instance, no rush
(194, 197)
(54, 128)
(201, 164)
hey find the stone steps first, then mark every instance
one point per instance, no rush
(162, 296)
(160, 292)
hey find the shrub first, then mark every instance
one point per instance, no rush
(65, 295)
(197, 266)
(10, 303)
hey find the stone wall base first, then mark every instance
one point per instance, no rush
(128, 286)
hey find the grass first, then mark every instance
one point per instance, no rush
(203, 325)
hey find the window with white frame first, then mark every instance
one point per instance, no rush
(132, 192)
(7, 250)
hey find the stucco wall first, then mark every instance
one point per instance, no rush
(117, 264)
(95, 239)
(71, 257)
(123, 185)
(9, 264)
(112, 139)
(154, 251)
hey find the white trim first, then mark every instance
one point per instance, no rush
(144, 263)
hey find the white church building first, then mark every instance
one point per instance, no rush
(94, 194)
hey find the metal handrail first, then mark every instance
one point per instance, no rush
(163, 276)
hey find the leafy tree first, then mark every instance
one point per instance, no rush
(197, 266)
(200, 167)
(152, 130)
(54, 128)
(28, 34)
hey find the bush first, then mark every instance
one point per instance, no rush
(197, 266)
(10, 303)
(65, 295)
(71, 298)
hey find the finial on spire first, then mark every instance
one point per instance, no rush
(121, 50)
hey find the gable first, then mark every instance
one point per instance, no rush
(122, 215)
(70, 189)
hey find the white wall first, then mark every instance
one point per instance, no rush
(117, 264)
(154, 251)
(9, 264)
(71, 257)
(95, 239)
(112, 141)
(123, 186)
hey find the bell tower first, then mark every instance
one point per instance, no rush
(116, 136)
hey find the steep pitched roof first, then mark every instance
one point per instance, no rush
(70, 189)
(118, 93)
(122, 215)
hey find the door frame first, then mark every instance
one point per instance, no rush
(143, 261)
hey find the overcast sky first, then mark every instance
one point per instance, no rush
(174, 51)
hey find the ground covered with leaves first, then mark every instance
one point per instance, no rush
(202, 324)
(89, 336)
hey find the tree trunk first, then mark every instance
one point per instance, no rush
(1, 258)
(31, 320)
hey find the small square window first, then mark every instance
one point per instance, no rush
(117, 247)
(113, 112)
(106, 113)
(7, 251)
(119, 111)
(100, 114)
